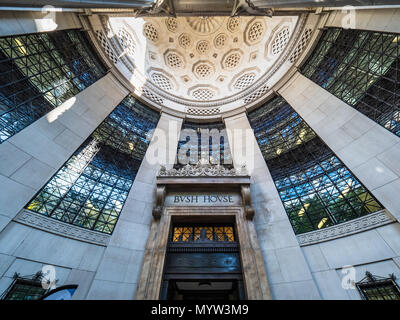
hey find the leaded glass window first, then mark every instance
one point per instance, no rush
(91, 188)
(203, 233)
(205, 143)
(40, 71)
(362, 68)
(316, 188)
(378, 288)
(25, 288)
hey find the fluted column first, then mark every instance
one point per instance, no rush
(370, 151)
(29, 158)
(119, 270)
(287, 270)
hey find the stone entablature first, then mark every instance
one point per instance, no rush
(367, 222)
(200, 175)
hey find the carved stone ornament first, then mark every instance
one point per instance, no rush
(203, 170)
(61, 228)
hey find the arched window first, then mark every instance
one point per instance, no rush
(90, 189)
(361, 68)
(316, 188)
(206, 142)
(40, 71)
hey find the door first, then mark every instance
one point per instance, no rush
(202, 262)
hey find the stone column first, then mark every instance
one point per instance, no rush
(370, 151)
(287, 270)
(29, 158)
(119, 270)
(23, 22)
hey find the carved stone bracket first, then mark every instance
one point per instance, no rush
(160, 197)
(246, 196)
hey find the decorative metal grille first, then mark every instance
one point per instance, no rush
(203, 94)
(203, 142)
(203, 233)
(91, 188)
(378, 288)
(40, 71)
(316, 188)
(362, 68)
(25, 288)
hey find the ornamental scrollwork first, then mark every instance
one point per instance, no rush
(203, 170)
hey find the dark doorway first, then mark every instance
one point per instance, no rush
(203, 290)
(202, 262)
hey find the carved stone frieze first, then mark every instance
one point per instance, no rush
(206, 170)
(344, 229)
(67, 230)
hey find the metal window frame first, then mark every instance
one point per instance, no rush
(198, 127)
(354, 65)
(302, 165)
(376, 282)
(112, 156)
(31, 70)
(30, 280)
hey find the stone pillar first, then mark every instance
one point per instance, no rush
(119, 270)
(23, 22)
(287, 270)
(370, 151)
(29, 158)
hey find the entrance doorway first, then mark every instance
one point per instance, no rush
(203, 262)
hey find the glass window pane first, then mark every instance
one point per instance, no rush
(91, 188)
(362, 68)
(40, 71)
(316, 188)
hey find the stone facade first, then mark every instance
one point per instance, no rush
(285, 266)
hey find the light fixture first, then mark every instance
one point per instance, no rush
(303, 209)
(21, 47)
(322, 222)
(204, 283)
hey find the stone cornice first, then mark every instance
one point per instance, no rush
(367, 222)
(39, 221)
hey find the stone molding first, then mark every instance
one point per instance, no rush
(42, 222)
(255, 276)
(203, 170)
(370, 221)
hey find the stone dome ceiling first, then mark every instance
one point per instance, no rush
(199, 63)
